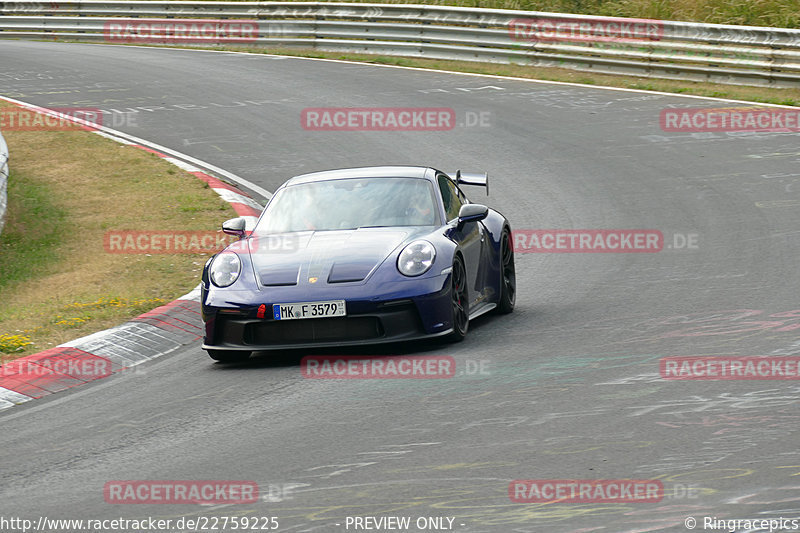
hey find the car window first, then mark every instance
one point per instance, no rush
(452, 197)
(349, 204)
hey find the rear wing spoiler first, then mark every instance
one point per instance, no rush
(480, 179)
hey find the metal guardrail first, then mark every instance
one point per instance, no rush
(664, 49)
(3, 180)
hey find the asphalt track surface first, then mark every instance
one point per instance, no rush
(571, 386)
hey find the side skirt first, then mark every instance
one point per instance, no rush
(482, 310)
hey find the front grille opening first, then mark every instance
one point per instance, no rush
(313, 330)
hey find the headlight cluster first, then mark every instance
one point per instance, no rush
(225, 269)
(416, 258)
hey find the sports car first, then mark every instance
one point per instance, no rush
(358, 256)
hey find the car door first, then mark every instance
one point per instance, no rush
(471, 237)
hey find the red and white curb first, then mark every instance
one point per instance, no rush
(146, 337)
(102, 354)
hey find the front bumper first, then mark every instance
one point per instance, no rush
(425, 313)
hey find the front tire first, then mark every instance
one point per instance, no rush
(459, 301)
(508, 275)
(229, 356)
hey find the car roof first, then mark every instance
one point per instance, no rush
(364, 172)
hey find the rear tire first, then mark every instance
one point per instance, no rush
(508, 275)
(229, 356)
(459, 301)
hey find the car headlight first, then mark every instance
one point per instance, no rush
(416, 258)
(225, 269)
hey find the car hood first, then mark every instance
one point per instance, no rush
(325, 257)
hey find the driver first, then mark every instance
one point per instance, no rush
(419, 208)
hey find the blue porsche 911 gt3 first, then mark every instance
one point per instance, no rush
(358, 256)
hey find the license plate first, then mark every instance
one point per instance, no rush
(308, 310)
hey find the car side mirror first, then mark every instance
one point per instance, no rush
(234, 226)
(472, 213)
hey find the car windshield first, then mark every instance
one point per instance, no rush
(350, 204)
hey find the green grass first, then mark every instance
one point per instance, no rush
(778, 13)
(34, 227)
(66, 190)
